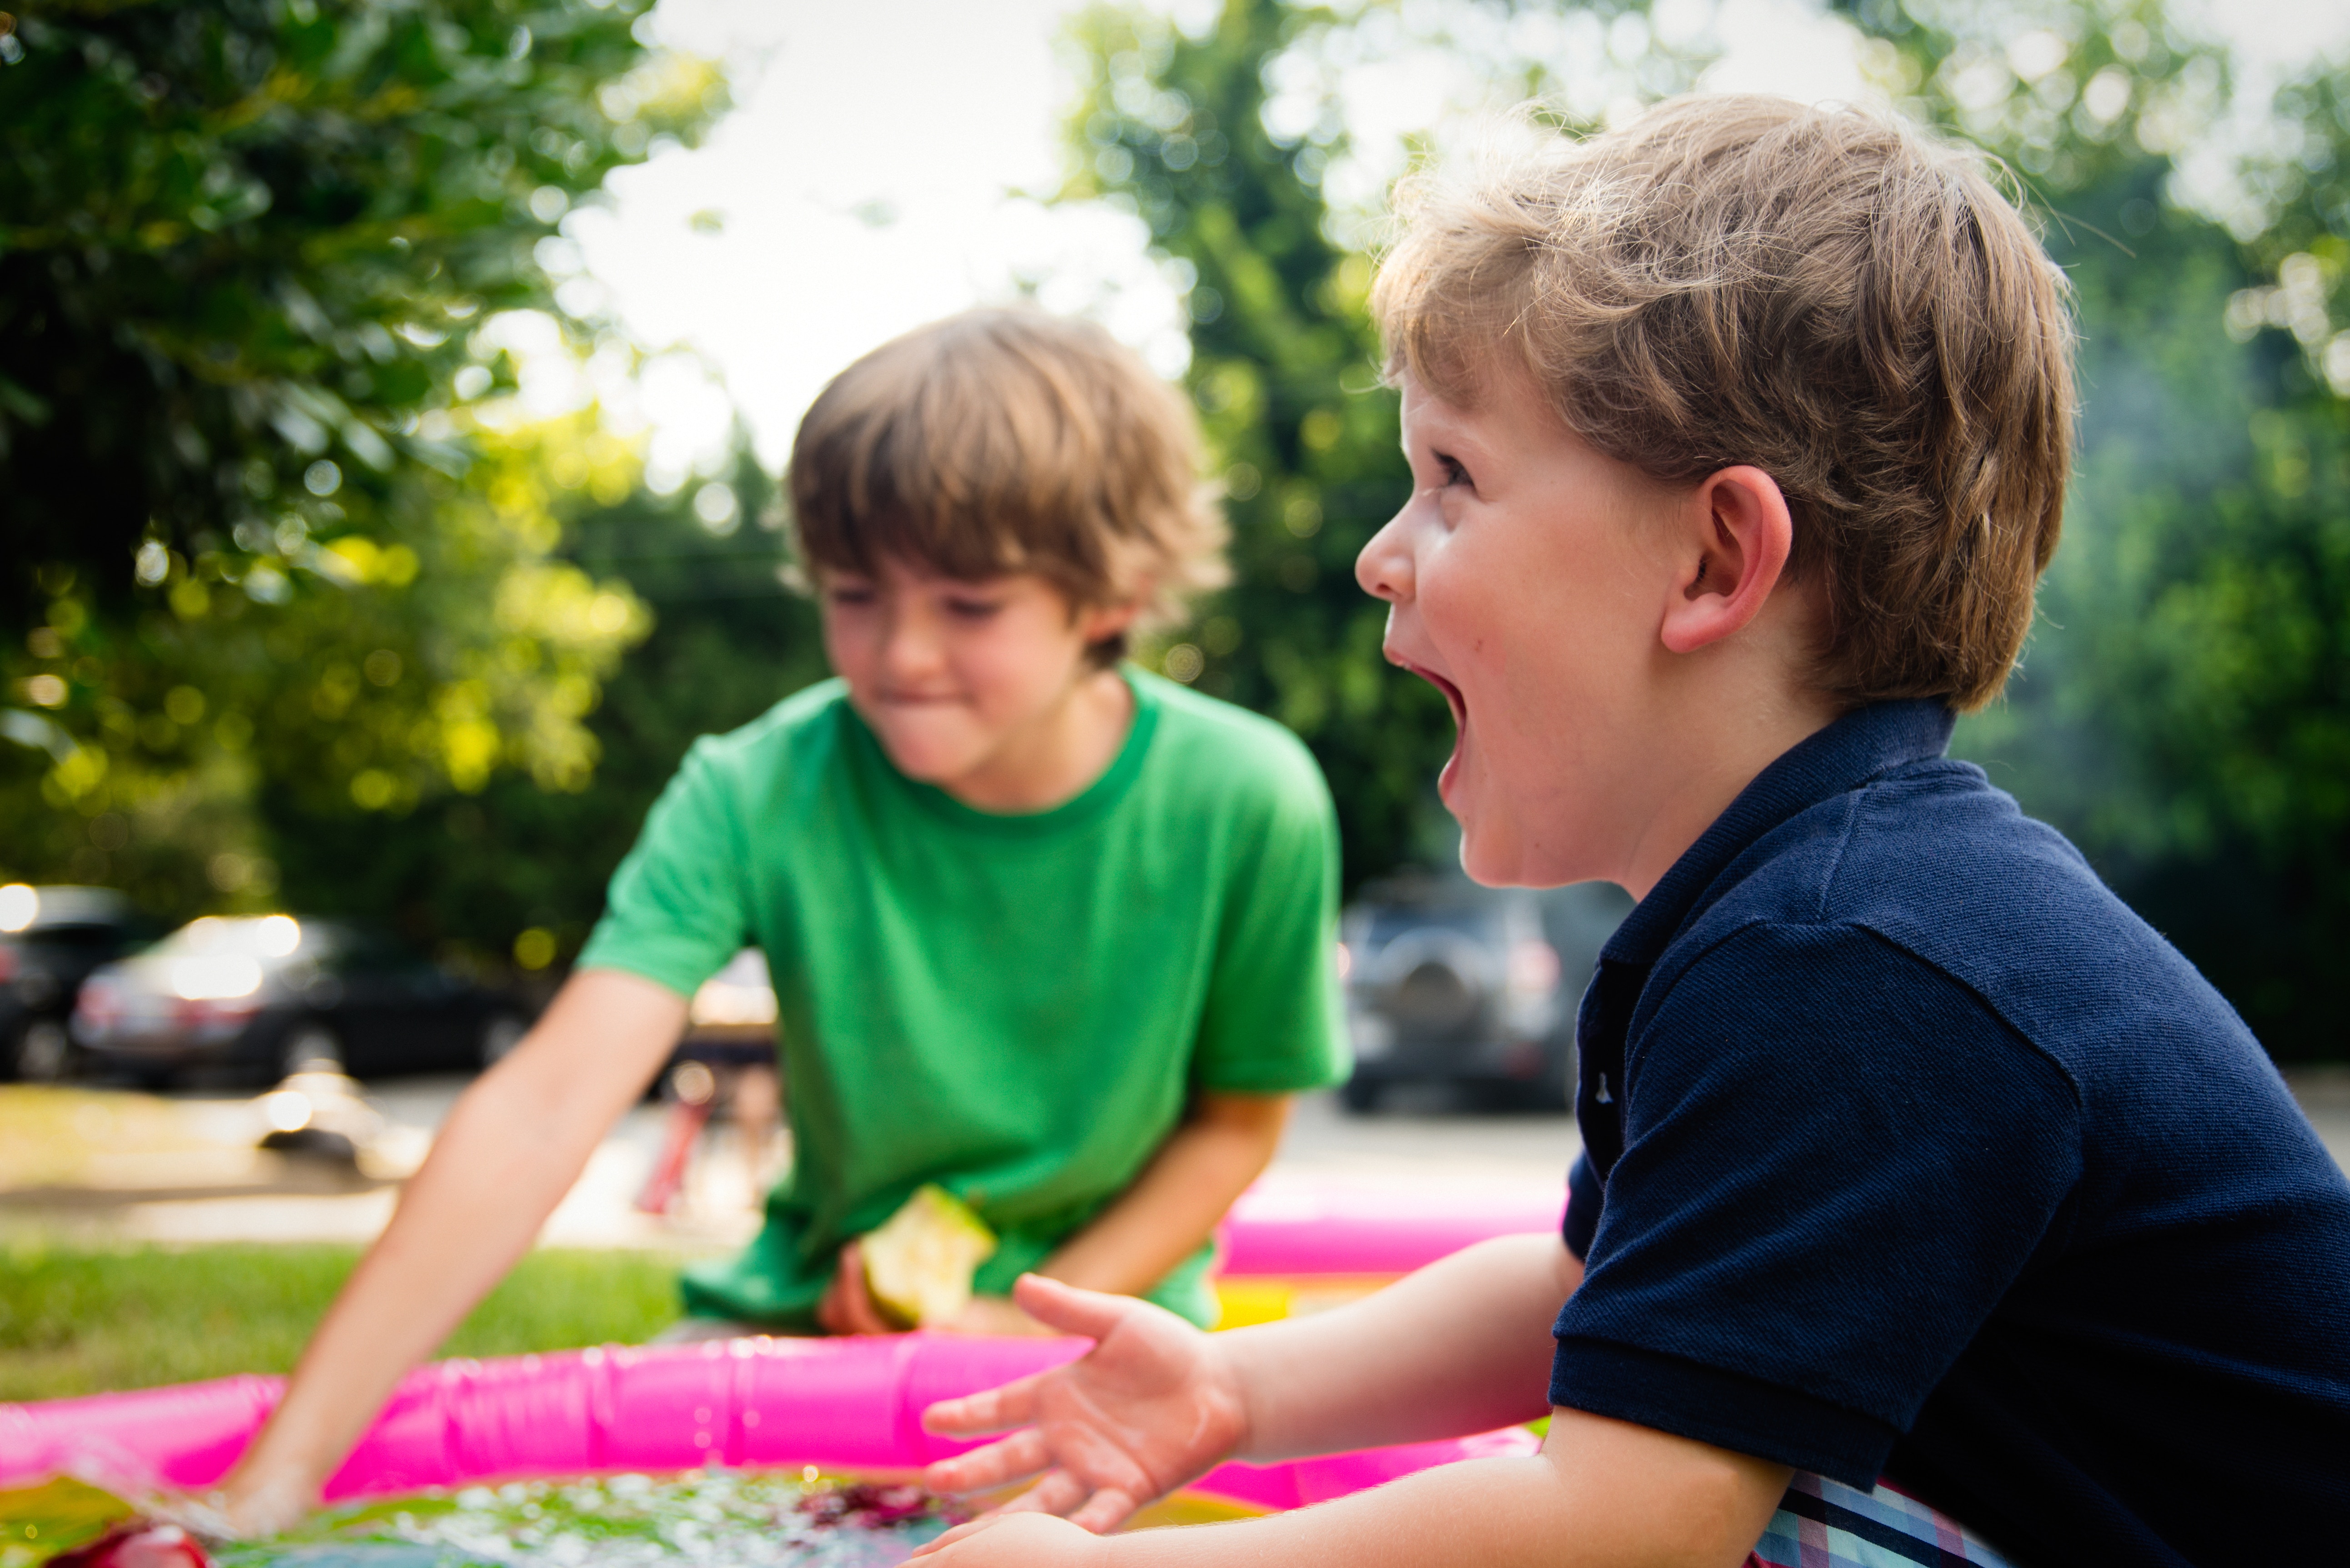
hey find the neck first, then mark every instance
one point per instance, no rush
(1733, 729)
(1053, 758)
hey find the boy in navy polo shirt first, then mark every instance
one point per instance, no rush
(1932, 1208)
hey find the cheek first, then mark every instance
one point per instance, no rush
(1010, 660)
(1461, 601)
(855, 641)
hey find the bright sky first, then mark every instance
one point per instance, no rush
(870, 177)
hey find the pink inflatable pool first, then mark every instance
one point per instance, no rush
(846, 1403)
(1293, 1225)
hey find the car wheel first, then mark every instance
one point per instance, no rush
(44, 1054)
(500, 1035)
(310, 1046)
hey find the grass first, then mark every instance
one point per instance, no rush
(79, 1319)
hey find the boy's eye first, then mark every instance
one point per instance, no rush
(1449, 467)
(973, 610)
(848, 594)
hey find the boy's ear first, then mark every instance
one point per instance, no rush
(1096, 623)
(1738, 534)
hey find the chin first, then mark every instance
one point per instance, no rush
(1495, 857)
(926, 759)
(1488, 863)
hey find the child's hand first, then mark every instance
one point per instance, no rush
(1154, 1405)
(247, 1506)
(847, 1306)
(1017, 1540)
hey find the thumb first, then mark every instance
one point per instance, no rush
(1072, 1311)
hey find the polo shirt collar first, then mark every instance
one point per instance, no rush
(1859, 746)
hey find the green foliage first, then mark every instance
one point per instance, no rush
(1284, 369)
(260, 538)
(245, 237)
(79, 1320)
(2184, 709)
(728, 641)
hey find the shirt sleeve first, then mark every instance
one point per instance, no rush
(1273, 1023)
(1837, 1161)
(678, 906)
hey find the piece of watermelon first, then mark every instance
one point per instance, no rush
(918, 1266)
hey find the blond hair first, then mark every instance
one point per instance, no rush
(1823, 293)
(1006, 441)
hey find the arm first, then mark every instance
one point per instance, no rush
(1463, 1345)
(510, 1149)
(1208, 1161)
(1602, 1494)
(1156, 1403)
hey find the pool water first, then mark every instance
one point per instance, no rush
(701, 1519)
(705, 1519)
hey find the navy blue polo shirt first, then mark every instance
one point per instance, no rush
(1910, 1151)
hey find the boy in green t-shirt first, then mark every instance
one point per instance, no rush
(1045, 932)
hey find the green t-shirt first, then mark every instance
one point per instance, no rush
(1015, 1007)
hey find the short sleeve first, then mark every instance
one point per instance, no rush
(1581, 1221)
(1837, 1162)
(677, 909)
(1273, 1023)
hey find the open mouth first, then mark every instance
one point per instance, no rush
(1452, 696)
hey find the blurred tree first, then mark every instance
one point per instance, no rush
(257, 540)
(1284, 368)
(728, 641)
(2184, 710)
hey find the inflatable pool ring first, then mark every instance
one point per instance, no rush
(849, 1404)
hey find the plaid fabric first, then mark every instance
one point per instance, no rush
(1823, 1523)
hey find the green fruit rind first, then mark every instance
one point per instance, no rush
(918, 1266)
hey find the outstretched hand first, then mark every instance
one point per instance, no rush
(1154, 1405)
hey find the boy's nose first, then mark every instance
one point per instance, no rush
(910, 646)
(1384, 568)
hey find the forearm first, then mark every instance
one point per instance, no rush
(511, 1148)
(1462, 1346)
(1178, 1198)
(1496, 1513)
(492, 1181)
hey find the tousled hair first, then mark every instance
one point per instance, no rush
(1823, 293)
(1005, 441)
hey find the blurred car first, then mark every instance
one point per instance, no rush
(270, 996)
(50, 940)
(1453, 983)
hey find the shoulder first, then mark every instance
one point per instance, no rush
(1928, 871)
(1831, 1001)
(797, 737)
(1223, 751)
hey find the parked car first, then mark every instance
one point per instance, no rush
(1451, 983)
(50, 940)
(270, 995)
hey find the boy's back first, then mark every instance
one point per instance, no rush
(1907, 1125)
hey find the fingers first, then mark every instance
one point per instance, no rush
(1057, 1493)
(1105, 1511)
(1069, 1309)
(960, 1532)
(991, 1410)
(1017, 1457)
(850, 1303)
